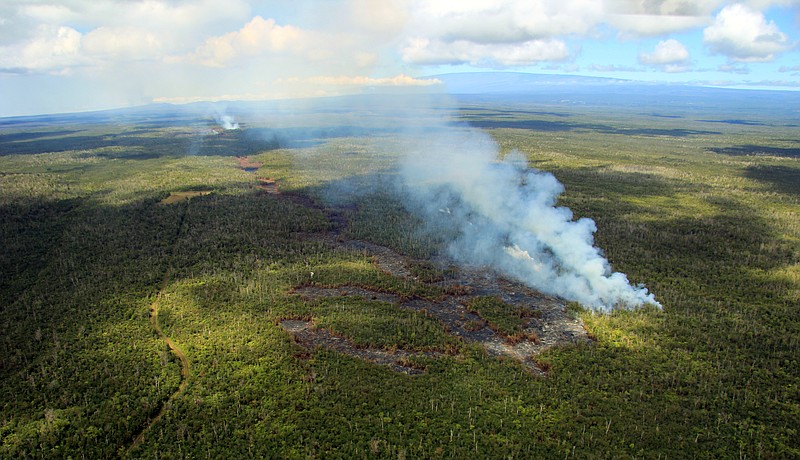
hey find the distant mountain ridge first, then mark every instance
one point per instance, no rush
(516, 82)
(614, 92)
(478, 86)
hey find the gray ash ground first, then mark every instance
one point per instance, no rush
(549, 325)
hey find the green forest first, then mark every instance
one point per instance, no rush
(168, 289)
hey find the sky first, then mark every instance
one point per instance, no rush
(77, 55)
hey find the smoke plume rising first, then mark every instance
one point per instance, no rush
(502, 214)
(228, 122)
(223, 119)
(488, 211)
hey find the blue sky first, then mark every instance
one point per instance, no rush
(74, 55)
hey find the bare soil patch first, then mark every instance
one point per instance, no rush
(248, 165)
(268, 185)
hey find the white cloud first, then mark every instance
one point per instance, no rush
(257, 37)
(52, 50)
(743, 34)
(764, 4)
(122, 43)
(47, 13)
(669, 55)
(635, 25)
(289, 49)
(423, 51)
(492, 33)
(59, 49)
(209, 47)
(635, 18)
(648, 18)
(47, 36)
(509, 21)
(666, 52)
(378, 17)
(663, 7)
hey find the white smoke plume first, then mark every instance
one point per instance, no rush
(488, 211)
(227, 122)
(502, 214)
(221, 116)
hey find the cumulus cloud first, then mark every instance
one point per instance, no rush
(244, 46)
(53, 49)
(649, 18)
(509, 21)
(647, 25)
(480, 32)
(635, 18)
(763, 4)
(492, 33)
(257, 37)
(122, 43)
(664, 7)
(743, 34)
(47, 13)
(378, 17)
(666, 52)
(40, 36)
(668, 55)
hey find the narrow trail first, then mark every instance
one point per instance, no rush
(173, 347)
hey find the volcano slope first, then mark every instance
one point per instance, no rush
(259, 281)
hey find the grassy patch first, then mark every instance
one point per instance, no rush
(376, 324)
(504, 318)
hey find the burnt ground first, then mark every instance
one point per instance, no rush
(266, 184)
(548, 322)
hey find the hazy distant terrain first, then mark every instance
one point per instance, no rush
(171, 288)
